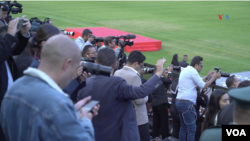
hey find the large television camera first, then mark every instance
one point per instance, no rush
(124, 42)
(223, 74)
(10, 6)
(97, 39)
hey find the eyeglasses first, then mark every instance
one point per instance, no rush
(201, 66)
(141, 66)
(92, 53)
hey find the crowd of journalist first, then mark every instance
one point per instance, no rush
(46, 79)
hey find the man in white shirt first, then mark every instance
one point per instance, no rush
(86, 39)
(186, 98)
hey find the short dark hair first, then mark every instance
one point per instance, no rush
(106, 57)
(230, 81)
(86, 32)
(3, 30)
(244, 83)
(5, 8)
(136, 56)
(86, 49)
(185, 55)
(107, 40)
(196, 60)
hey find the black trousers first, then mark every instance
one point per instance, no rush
(144, 132)
(176, 121)
(160, 121)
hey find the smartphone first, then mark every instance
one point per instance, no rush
(20, 23)
(90, 105)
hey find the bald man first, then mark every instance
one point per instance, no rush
(36, 108)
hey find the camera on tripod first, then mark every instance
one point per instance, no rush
(16, 10)
(223, 74)
(97, 39)
(124, 43)
(71, 33)
(96, 69)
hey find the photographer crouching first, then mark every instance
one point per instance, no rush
(186, 99)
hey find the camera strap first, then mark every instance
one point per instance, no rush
(37, 56)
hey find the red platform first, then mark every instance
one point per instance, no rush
(140, 42)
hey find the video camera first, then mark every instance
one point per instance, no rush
(71, 33)
(10, 5)
(97, 39)
(96, 69)
(36, 23)
(223, 74)
(148, 70)
(128, 36)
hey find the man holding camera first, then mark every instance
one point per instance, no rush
(86, 39)
(89, 52)
(130, 74)
(36, 108)
(116, 119)
(186, 99)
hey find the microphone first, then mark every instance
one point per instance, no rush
(130, 36)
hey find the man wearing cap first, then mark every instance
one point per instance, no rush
(241, 114)
(86, 39)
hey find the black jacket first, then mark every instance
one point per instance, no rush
(150, 97)
(9, 46)
(183, 63)
(160, 95)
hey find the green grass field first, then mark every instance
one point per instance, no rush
(191, 28)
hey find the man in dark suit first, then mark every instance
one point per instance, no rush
(12, 43)
(184, 63)
(116, 119)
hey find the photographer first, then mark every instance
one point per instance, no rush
(13, 43)
(130, 74)
(186, 99)
(36, 108)
(4, 15)
(86, 39)
(89, 52)
(116, 118)
(160, 107)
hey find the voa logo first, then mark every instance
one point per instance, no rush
(236, 132)
(223, 17)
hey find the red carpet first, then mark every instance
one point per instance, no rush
(140, 42)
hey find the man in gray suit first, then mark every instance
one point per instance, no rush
(130, 74)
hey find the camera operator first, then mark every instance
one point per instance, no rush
(89, 52)
(116, 119)
(13, 43)
(186, 99)
(160, 107)
(51, 112)
(86, 39)
(184, 63)
(4, 15)
(44, 32)
(130, 74)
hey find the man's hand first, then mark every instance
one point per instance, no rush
(26, 26)
(216, 75)
(210, 73)
(12, 28)
(170, 68)
(83, 112)
(79, 69)
(160, 67)
(84, 76)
